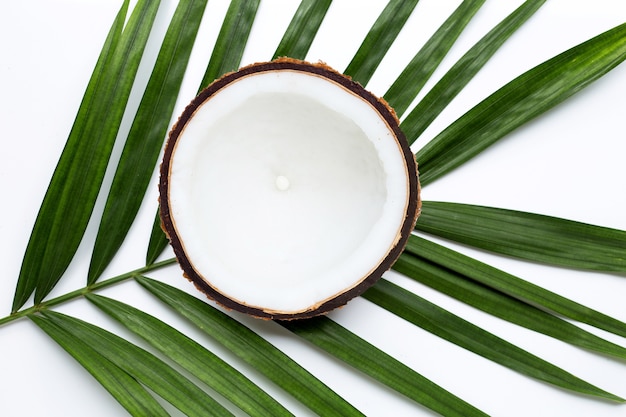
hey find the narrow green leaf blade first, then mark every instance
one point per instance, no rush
(302, 29)
(521, 100)
(158, 241)
(146, 135)
(231, 41)
(444, 324)
(345, 345)
(464, 70)
(528, 236)
(142, 366)
(204, 365)
(38, 245)
(254, 350)
(379, 39)
(411, 81)
(125, 389)
(511, 285)
(74, 187)
(501, 305)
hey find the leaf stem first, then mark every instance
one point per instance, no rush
(85, 290)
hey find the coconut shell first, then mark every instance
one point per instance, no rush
(316, 69)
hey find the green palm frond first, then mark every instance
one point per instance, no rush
(146, 136)
(82, 166)
(528, 236)
(521, 100)
(160, 349)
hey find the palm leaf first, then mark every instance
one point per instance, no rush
(232, 40)
(158, 241)
(379, 39)
(444, 324)
(528, 236)
(502, 305)
(141, 365)
(511, 285)
(124, 388)
(302, 29)
(521, 100)
(410, 82)
(142, 149)
(214, 372)
(254, 350)
(81, 168)
(337, 341)
(464, 70)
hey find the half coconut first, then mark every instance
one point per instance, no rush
(287, 189)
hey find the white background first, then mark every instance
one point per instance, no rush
(567, 163)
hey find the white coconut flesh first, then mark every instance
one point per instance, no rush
(286, 189)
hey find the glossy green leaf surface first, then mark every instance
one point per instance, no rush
(464, 70)
(232, 39)
(158, 241)
(521, 100)
(125, 389)
(198, 361)
(502, 305)
(253, 349)
(511, 285)
(413, 78)
(80, 172)
(444, 324)
(143, 366)
(379, 39)
(50, 249)
(345, 345)
(302, 29)
(529, 236)
(146, 135)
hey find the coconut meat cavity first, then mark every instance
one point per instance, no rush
(285, 189)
